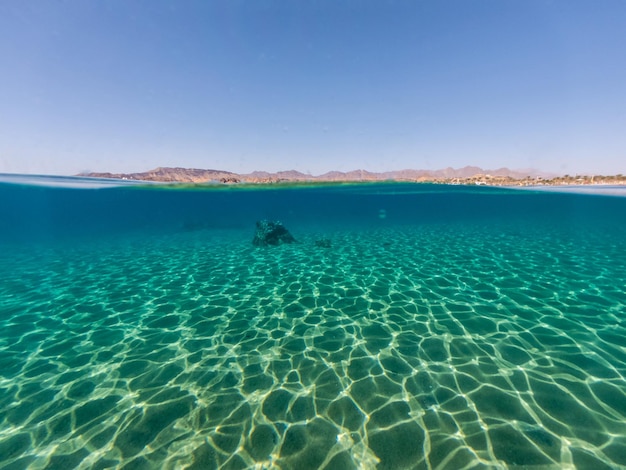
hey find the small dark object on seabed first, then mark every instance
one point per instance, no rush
(271, 233)
(323, 243)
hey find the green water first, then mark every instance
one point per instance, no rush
(443, 328)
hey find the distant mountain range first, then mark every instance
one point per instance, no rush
(193, 175)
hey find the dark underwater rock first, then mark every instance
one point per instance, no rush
(271, 233)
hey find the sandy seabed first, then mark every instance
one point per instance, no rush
(441, 346)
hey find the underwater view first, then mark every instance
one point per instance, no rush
(404, 326)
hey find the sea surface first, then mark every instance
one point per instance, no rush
(445, 327)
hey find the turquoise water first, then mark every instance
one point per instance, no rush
(445, 327)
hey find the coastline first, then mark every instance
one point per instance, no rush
(181, 179)
(463, 176)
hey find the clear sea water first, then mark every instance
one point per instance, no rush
(446, 327)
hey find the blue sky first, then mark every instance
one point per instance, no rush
(126, 86)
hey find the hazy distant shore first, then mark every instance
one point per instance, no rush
(468, 175)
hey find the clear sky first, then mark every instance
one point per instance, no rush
(129, 85)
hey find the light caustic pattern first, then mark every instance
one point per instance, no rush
(432, 347)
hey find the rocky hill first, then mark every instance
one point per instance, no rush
(173, 175)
